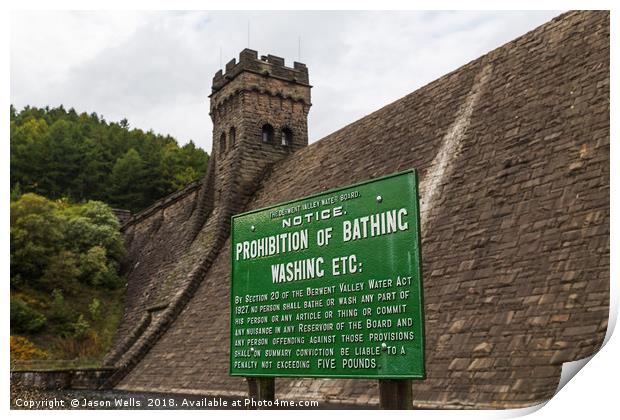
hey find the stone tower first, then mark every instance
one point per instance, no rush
(259, 109)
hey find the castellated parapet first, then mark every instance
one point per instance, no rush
(260, 104)
(269, 65)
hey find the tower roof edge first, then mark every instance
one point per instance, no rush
(269, 65)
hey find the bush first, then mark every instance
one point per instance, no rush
(93, 224)
(62, 272)
(94, 266)
(65, 261)
(55, 244)
(80, 328)
(24, 319)
(24, 349)
(93, 308)
(59, 310)
(36, 236)
(90, 346)
(111, 280)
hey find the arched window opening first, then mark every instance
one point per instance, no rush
(287, 137)
(222, 144)
(232, 135)
(267, 133)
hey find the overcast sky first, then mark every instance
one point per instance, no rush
(155, 68)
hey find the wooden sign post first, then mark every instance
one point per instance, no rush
(395, 394)
(261, 389)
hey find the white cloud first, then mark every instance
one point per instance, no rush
(155, 68)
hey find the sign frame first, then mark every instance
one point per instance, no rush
(417, 270)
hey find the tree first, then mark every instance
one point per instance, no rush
(37, 232)
(59, 153)
(127, 180)
(27, 158)
(62, 272)
(24, 319)
(54, 244)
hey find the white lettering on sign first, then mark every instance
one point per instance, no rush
(312, 217)
(297, 270)
(272, 245)
(375, 225)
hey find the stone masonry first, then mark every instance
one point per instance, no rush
(259, 109)
(513, 155)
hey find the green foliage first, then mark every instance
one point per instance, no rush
(55, 245)
(37, 231)
(95, 265)
(59, 312)
(24, 319)
(65, 260)
(16, 192)
(94, 308)
(93, 225)
(59, 153)
(80, 328)
(62, 272)
(66, 292)
(126, 181)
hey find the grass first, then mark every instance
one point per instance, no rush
(17, 365)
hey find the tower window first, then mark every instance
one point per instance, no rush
(267, 133)
(287, 137)
(232, 135)
(222, 144)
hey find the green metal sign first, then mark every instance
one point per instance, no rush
(330, 285)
